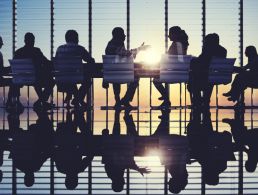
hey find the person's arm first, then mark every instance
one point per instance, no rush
(44, 61)
(86, 162)
(123, 52)
(87, 57)
(247, 66)
(143, 170)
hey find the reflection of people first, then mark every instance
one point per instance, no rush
(118, 152)
(199, 70)
(173, 154)
(68, 154)
(116, 46)
(43, 68)
(30, 149)
(179, 46)
(1, 156)
(211, 149)
(247, 76)
(73, 49)
(246, 140)
(13, 92)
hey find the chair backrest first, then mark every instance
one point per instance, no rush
(68, 70)
(23, 71)
(175, 68)
(176, 145)
(118, 69)
(220, 70)
(117, 149)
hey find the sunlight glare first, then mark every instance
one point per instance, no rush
(150, 57)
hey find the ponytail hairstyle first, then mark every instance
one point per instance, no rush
(184, 40)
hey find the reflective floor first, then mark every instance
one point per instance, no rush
(129, 152)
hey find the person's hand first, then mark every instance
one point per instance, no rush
(144, 170)
(144, 47)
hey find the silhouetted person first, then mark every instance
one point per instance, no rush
(247, 76)
(13, 94)
(73, 49)
(179, 46)
(245, 140)
(30, 149)
(210, 148)
(118, 154)
(116, 46)
(43, 68)
(199, 70)
(69, 151)
(173, 154)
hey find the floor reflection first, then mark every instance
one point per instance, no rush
(129, 152)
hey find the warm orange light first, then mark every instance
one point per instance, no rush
(150, 57)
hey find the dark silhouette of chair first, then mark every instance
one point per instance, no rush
(175, 68)
(221, 70)
(23, 72)
(68, 70)
(118, 69)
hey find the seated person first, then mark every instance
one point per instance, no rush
(69, 155)
(13, 93)
(117, 47)
(43, 68)
(245, 140)
(211, 149)
(247, 77)
(71, 49)
(118, 152)
(198, 76)
(179, 46)
(173, 154)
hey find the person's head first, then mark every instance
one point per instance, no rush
(210, 175)
(71, 36)
(1, 42)
(71, 181)
(174, 33)
(208, 44)
(29, 179)
(118, 185)
(250, 166)
(29, 39)
(250, 51)
(215, 37)
(176, 187)
(251, 163)
(105, 132)
(118, 34)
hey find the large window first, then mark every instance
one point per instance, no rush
(145, 21)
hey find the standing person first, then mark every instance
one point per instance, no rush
(13, 92)
(179, 46)
(43, 68)
(116, 46)
(73, 49)
(247, 76)
(198, 76)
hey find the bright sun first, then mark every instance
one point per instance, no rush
(150, 57)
